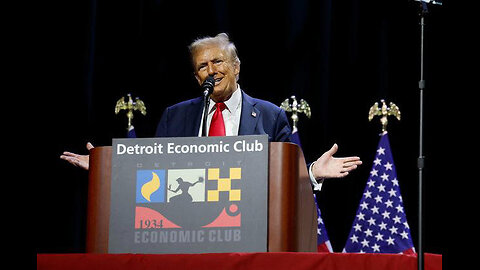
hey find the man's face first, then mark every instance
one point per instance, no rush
(213, 60)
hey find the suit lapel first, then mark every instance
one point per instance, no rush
(249, 116)
(193, 117)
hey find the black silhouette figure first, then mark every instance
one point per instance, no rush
(183, 186)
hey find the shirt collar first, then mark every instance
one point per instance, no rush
(232, 104)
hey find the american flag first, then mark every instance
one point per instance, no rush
(131, 133)
(380, 225)
(323, 243)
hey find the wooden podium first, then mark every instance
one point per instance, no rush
(292, 215)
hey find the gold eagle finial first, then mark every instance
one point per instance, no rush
(130, 106)
(384, 112)
(295, 108)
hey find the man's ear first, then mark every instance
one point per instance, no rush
(236, 69)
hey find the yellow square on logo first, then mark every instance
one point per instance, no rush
(235, 173)
(224, 184)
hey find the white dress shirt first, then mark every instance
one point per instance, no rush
(231, 114)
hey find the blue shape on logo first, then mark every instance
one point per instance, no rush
(150, 186)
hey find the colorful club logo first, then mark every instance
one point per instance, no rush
(150, 186)
(185, 192)
(224, 184)
(186, 186)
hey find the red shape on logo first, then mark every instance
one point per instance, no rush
(225, 220)
(143, 214)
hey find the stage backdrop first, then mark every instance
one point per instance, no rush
(340, 56)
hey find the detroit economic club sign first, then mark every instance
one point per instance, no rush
(189, 195)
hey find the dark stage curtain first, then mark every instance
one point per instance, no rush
(340, 56)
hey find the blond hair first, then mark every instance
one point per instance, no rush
(220, 40)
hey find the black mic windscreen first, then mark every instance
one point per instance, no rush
(208, 84)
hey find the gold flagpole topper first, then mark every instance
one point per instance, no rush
(295, 108)
(130, 106)
(384, 112)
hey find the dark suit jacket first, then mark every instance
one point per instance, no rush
(257, 117)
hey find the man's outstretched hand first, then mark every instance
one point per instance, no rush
(77, 160)
(328, 166)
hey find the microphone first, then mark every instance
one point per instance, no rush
(207, 86)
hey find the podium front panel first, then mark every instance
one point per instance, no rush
(189, 195)
(291, 209)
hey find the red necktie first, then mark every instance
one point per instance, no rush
(217, 127)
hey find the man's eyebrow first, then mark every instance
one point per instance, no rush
(203, 63)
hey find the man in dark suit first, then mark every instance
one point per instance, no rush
(256, 117)
(232, 111)
(242, 114)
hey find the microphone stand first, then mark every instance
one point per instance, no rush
(206, 101)
(421, 158)
(207, 87)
